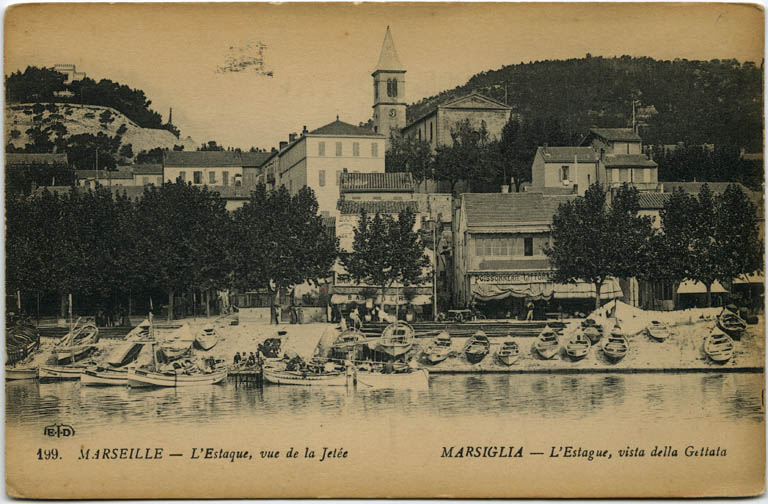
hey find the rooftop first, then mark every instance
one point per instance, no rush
(148, 169)
(376, 182)
(500, 209)
(340, 128)
(16, 158)
(629, 160)
(388, 58)
(617, 134)
(209, 159)
(104, 174)
(568, 154)
(254, 158)
(652, 200)
(350, 207)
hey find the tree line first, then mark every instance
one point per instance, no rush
(703, 238)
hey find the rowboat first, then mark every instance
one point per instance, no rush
(207, 338)
(177, 343)
(125, 353)
(546, 344)
(20, 373)
(477, 347)
(72, 354)
(305, 377)
(345, 344)
(578, 346)
(56, 373)
(718, 346)
(396, 339)
(730, 323)
(657, 330)
(592, 330)
(22, 339)
(616, 346)
(439, 349)
(142, 332)
(104, 376)
(508, 353)
(144, 378)
(412, 378)
(77, 343)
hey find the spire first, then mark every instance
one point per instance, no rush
(388, 59)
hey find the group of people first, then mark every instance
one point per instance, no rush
(245, 360)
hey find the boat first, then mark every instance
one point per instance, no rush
(22, 339)
(546, 344)
(57, 373)
(657, 330)
(578, 346)
(142, 332)
(477, 347)
(731, 324)
(138, 378)
(410, 378)
(20, 373)
(718, 345)
(207, 338)
(592, 330)
(396, 339)
(104, 376)
(327, 375)
(508, 353)
(439, 349)
(177, 343)
(125, 353)
(346, 343)
(616, 346)
(77, 343)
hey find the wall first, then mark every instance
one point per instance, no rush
(516, 241)
(448, 117)
(171, 173)
(582, 174)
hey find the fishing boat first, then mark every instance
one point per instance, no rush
(379, 379)
(142, 332)
(439, 349)
(328, 376)
(207, 338)
(22, 339)
(396, 339)
(57, 373)
(346, 343)
(125, 354)
(508, 353)
(578, 346)
(177, 343)
(20, 373)
(99, 375)
(616, 346)
(592, 330)
(77, 343)
(138, 378)
(718, 346)
(546, 344)
(730, 323)
(477, 347)
(657, 330)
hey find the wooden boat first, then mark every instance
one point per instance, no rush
(142, 332)
(616, 346)
(125, 353)
(22, 339)
(578, 346)
(104, 376)
(657, 330)
(730, 323)
(207, 338)
(411, 378)
(546, 344)
(177, 343)
(477, 347)
(439, 349)
(508, 353)
(345, 344)
(20, 373)
(396, 339)
(145, 378)
(305, 377)
(592, 330)
(718, 346)
(57, 373)
(77, 343)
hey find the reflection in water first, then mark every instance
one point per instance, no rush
(642, 397)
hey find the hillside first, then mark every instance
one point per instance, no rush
(87, 119)
(697, 102)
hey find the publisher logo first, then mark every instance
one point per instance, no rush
(59, 431)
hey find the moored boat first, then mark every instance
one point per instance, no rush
(56, 373)
(396, 339)
(410, 378)
(718, 346)
(616, 346)
(730, 323)
(305, 377)
(207, 338)
(657, 330)
(175, 378)
(20, 373)
(103, 376)
(477, 347)
(439, 349)
(177, 343)
(578, 346)
(546, 344)
(346, 343)
(592, 330)
(508, 353)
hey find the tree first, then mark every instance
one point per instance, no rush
(740, 249)
(462, 160)
(126, 151)
(592, 241)
(87, 152)
(409, 155)
(513, 153)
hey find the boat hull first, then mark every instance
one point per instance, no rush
(735, 332)
(475, 357)
(57, 373)
(394, 349)
(592, 333)
(139, 378)
(614, 355)
(206, 341)
(103, 377)
(436, 357)
(73, 354)
(658, 334)
(280, 377)
(547, 351)
(20, 373)
(508, 359)
(418, 378)
(576, 352)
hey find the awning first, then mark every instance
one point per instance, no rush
(749, 279)
(536, 291)
(586, 290)
(420, 299)
(691, 287)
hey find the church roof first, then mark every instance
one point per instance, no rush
(340, 128)
(388, 59)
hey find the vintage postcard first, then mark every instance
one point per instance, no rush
(417, 250)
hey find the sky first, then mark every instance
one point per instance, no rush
(321, 56)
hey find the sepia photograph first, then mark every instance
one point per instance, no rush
(409, 250)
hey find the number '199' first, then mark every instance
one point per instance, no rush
(52, 454)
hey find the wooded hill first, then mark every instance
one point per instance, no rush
(696, 102)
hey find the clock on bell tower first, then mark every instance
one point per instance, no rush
(388, 90)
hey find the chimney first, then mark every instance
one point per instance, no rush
(292, 137)
(304, 130)
(283, 144)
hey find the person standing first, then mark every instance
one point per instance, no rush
(530, 307)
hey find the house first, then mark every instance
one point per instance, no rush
(614, 141)
(651, 204)
(269, 173)
(252, 164)
(634, 169)
(148, 174)
(213, 168)
(570, 170)
(24, 170)
(376, 186)
(92, 178)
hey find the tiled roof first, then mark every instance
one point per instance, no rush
(499, 209)
(148, 169)
(351, 207)
(340, 128)
(617, 134)
(20, 158)
(376, 182)
(254, 158)
(209, 159)
(629, 160)
(568, 154)
(653, 200)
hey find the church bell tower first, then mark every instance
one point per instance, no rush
(388, 90)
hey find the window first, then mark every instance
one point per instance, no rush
(394, 87)
(375, 90)
(589, 179)
(198, 177)
(225, 178)
(528, 246)
(419, 134)
(321, 148)
(321, 177)
(211, 178)
(338, 148)
(183, 176)
(389, 87)
(430, 132)
(498, 246)
(564, 172)
(375, 149)
(144, 180)
(356, 148)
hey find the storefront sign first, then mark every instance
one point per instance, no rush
(512, 277)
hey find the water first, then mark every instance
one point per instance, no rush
(648, 398)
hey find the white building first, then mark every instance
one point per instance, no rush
(213, 168)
